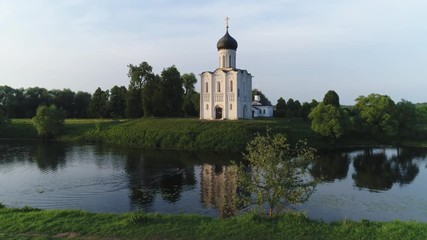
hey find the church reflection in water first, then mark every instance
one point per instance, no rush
(219, 188)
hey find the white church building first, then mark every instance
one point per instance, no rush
(226, 93)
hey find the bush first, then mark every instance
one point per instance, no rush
(49, 121)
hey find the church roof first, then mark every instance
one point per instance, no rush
(227, 42)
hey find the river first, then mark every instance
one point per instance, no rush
(379, 184)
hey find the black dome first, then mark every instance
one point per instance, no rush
(227, 42)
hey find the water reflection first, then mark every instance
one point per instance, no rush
(103, 178)
(157, 172)
(331, 166)
(379, 169)
(218, 188)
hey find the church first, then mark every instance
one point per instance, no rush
(226, 93)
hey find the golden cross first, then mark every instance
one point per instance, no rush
(226, 21)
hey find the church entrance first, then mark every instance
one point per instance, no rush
(218, 112)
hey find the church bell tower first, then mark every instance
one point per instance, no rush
(226, 93)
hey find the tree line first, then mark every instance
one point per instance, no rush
(376, 116)
(169, 94)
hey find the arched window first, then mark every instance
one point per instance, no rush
(229, 60)
(223, 61)
(207, 106)
(206, 87)
(219, 86)
(231, 106)
(231, 86)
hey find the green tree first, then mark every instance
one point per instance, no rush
(63, 99)
(329, 121)
(117, 103)
(406, 115)
(152, 96)
(34, 97)
(188, 81)
(277, 172)
(48, 121)
(377, 114)
(98, 106)
(171, 95)
(280, 109)
(139, 75)
(331, 98)
(4, 121)
(190, 107)
(81, 104)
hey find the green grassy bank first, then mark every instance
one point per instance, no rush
(193, 134)
(29, 223)
(174, 133)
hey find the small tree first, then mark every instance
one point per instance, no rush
(277, 172)
(49, 121)
(4, 121)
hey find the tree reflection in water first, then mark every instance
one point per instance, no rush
(330, 166)
(157, 172)
(377, 170)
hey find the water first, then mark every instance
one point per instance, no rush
(374, 184)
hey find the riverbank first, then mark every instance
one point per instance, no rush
(27, 223)
(194, 134)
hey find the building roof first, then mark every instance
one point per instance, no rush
(227, 42)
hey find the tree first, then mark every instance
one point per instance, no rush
(280, 110)
(98, 106)
(139, 75)
(188, 81)
(377, 114)
(63, 99)
(328, 118)
(406, 115)
(81, 104)
(117, 103)
(331, 98)
(171, 91)
(48, 121)
(277, 172)
(4, 121)
(329, 121)
(263, 99)
(190, 107)
(34, 97)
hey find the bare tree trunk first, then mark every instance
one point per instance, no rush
(270, 213)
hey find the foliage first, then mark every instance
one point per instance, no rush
(280, 110)
(263, 99)
(406, 115)
(277, 172)
(331, 98)
(117, 102)
(329, 121)
(98, 106)
(188, 81)
(378, 114)
(49, 121)
(81, 104)
(133, 103)
(4, 121)
(138, 75)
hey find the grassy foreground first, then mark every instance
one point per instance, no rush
(30, 223)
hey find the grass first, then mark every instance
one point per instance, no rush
(195, 134)
(48, 224)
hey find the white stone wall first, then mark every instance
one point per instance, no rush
(227, 58)
(227, 89)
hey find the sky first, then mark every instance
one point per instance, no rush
(296, 49)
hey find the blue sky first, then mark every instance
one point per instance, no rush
(296, 49)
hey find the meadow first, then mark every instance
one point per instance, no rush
(29, 223)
